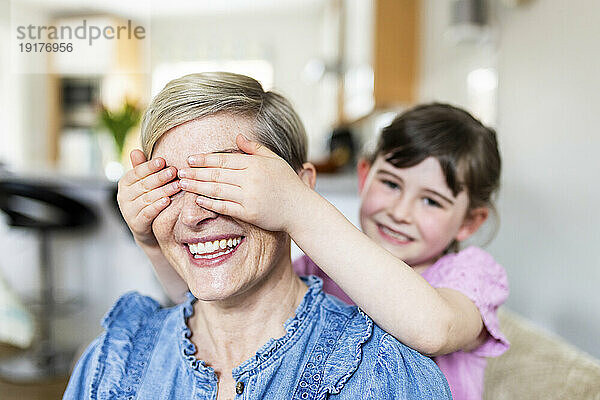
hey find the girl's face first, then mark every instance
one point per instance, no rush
(411, 212)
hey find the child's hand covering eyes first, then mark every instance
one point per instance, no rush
(143, 193)
(257, 187)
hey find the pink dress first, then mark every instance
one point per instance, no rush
(474, 273)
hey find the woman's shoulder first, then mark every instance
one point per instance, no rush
(362, 355)
(385, 367)
(120, 354)
(130, 311)
(397, 362)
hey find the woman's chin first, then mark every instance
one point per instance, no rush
(211, 291)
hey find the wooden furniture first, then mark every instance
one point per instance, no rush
(396, 52)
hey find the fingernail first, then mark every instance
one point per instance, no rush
(199, 200)
(193, 160)
(157, 162)
(183, 184)
(183, 173)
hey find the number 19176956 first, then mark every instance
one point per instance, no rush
(39, 47)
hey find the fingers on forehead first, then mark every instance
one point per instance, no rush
(219, 160)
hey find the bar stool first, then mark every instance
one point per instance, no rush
(43, 209)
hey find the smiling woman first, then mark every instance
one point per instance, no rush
(216, 274)
(240, 276)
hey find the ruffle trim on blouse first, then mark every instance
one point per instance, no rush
(348, 353)
(124, 345)
(294, 326)
(337, 353)
(268, 353)
(203, 372)
(333, 360)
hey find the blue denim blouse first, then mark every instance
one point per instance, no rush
(330, 350)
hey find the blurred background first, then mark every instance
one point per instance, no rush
(68, 120)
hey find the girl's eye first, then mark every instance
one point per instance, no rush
(390, 184)
(430, 202)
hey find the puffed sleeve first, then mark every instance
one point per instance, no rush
(402, 373)
(79, 386)
(475, 273)
(103, 363)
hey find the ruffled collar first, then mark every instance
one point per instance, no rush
(269, 352)
(188, 349)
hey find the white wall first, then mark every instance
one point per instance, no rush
(444, 65)
(549, 96)
(548, 100)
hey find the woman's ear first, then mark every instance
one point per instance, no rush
(308, 175)
(473, 220)
(362, 169)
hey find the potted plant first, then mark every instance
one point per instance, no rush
(120, 122)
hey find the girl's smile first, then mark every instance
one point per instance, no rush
(394, 236)
(411, 212)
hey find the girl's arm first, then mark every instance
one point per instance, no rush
(143, 192)
(432, 321)
(173, 285)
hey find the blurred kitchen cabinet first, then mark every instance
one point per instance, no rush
(103, 71)
(396, 52)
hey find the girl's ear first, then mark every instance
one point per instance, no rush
(473, 220)
(362, 169)
(308, 175)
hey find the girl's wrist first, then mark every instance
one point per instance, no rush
(302, 211)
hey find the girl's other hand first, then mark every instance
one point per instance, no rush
(257, 187)
(143, 192)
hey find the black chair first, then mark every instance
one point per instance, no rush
(41, 208)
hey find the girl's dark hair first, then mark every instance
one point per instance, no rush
(466, 149)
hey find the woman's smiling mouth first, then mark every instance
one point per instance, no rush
(212, 251)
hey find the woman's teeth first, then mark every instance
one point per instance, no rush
(202, 250)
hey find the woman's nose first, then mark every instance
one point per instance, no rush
(192, 214)
(401, 210)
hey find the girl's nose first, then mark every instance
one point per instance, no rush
(192, 214)
(401, 210)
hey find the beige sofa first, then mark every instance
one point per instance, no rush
(539, 366)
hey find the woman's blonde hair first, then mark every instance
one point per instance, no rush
(194, 96)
